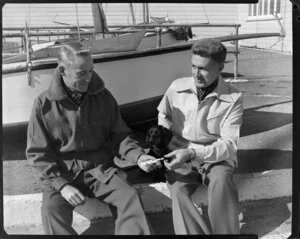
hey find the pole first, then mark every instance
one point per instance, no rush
(144, 13)
(78, 29)
(100, 24)
(236, 52)
(132, 13)
(147, 12)
(85, 28)
(158, 37)
(28, 53)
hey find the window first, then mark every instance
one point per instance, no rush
(264, 9)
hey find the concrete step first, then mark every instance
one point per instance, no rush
(25, 209)
(268, 219)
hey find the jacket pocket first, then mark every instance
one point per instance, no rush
(214, 123)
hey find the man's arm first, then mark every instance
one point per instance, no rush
(123, 141)
(39, 152)
(165, 110)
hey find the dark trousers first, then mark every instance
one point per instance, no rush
(57, 213)
(223, 209)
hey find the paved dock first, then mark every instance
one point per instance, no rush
(264, 176)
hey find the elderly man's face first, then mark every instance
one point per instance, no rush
(78, 74)
(205, 70)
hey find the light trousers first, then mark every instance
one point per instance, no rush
(223, 204)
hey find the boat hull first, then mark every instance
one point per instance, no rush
(137, 81)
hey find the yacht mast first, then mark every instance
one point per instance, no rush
(145, 12)
(132, 13)
(100, 24)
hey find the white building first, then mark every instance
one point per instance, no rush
(254, 18)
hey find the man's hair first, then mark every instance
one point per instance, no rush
(69, 51)
(211, 48)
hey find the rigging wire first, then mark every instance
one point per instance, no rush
(27, 27)
(78, 30)
(205, 13)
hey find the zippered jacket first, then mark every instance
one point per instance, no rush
(64, 139)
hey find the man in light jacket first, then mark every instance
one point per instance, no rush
(205, 115)
(75, 130)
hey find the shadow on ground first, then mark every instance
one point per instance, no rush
(161, 224)
(264, 216)
(255, 121)
(259, 160)
(262, 159)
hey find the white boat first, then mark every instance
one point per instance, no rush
(133, 68)
(137, 78)
(134, 78)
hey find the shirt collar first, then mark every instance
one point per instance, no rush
(221, 91)
(56, 90)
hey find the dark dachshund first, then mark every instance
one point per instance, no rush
(158, 138)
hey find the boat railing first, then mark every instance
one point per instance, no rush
(88, 31)
(39, 35)
(67, 31)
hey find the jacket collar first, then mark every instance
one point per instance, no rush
(221, 91)
(56, 90)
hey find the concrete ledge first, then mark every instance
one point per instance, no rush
(21, 210)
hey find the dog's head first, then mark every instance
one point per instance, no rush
(158, 137)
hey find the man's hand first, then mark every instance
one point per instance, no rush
(177, 158)
(72, 195)
(144, 162)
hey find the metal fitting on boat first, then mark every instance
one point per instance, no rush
(158, 38)
(29, 69)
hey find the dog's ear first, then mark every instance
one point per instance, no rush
(147, 136)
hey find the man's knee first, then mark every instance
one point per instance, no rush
(129, 193)
(221, 175)
(55, 204)
(132, 191)
(178, 190)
